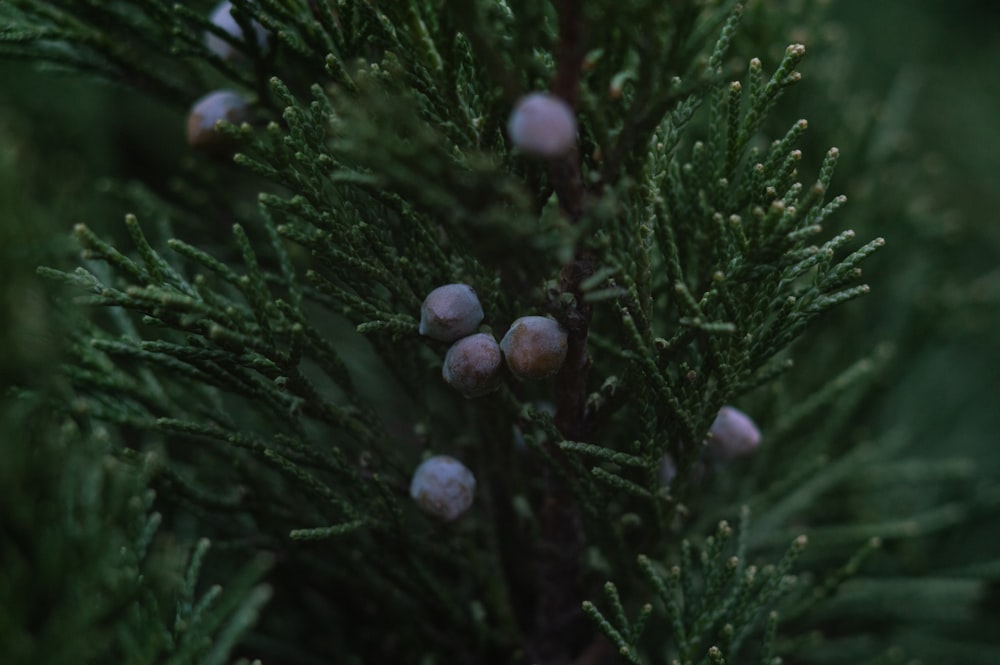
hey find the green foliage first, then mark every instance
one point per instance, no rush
(84, 576)
(715, 601)
(264, 351)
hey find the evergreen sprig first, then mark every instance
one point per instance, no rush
(715, 601)
(275, 365)
(80, 518)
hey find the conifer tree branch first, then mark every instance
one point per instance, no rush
(558, 616)
(568, 183)
(291, 354)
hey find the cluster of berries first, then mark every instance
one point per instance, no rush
(533, 348)
(222, 104)
(540, 124)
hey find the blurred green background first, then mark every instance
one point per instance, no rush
(906, 89)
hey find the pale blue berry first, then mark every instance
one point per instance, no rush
(733, 434)
(222, 17)
(535, 347)
(472, 365)
(210, 109)
(542, 124)
(443, 487)
(450, 312)
(668, 470)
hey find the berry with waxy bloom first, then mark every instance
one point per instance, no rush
(450, 312)
(733, 434)
(535, 347)
(472, 365)
(443, 487)
(668, 470)
(542, 124)
(222, 17)
(209, 110)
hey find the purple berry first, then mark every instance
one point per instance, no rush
(534, 347)
(542, 124)
(450, 312)
(210, 109)
(732, 434)
(472, 365)
(222, 17)
(443, 487)
(668, 470)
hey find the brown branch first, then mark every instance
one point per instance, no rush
(567, 180)
(569, 58)
(559, 621)
(564, 173)
(560, 630)
(571, 382)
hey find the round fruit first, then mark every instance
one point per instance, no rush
(534, 347)
(450, 312)
(732, 434)
(210, 109)
(668, 470)
(472, 365)
(542, 124)
(222, 17)
(443, 487)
